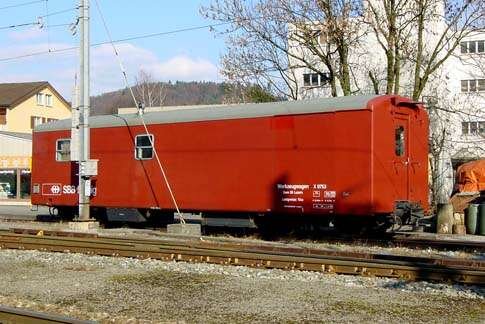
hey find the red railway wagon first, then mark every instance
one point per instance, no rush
(361, 155)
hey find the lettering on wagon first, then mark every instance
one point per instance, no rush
(57, 189)
(300, 195)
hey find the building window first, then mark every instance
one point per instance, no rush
(143, 147)
(315, 79)
(473, 85)
(476, 46)
(3, 116)
(48, 100)
(8, 184)
(63, 150)
(473, 128)
(35, 121)
(40, 99)
(399, 139)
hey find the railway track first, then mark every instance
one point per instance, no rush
(398, 239)
(257, 255)
(11, 315)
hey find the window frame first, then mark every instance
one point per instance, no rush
(321, 79)
(472, 85)
(473, 128)
(40, 97)
(307, 82)
(48, 100)
(151, 146)
(480, 46)
(3, 116)
(400, 141)
(58, 151)
(472, 47)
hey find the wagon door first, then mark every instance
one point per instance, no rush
(401, 156)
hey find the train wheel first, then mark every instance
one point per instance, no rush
(159, 218)
(65, 213)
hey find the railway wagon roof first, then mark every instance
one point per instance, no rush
(221, 112)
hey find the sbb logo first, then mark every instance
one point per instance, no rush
(51, 189)
(55, 189)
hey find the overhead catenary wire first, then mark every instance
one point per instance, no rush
(21, 4)
(20, 25)
(38, 22)
(27, 55)
(125, 78)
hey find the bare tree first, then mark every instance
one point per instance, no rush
(390, 22)
(421, 35)
(151, 92)
(459, 19)
(268, 40)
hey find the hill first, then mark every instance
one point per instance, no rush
(174, 94)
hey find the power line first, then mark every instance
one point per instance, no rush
(39, 21)
(22, 4)
(6, 59)
(20, 25)
(58, 12)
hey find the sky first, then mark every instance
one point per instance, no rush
(184, 56)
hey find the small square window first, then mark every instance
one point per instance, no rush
(481, 46)
(473, 128)
(472, 47)
(306, 79)
(48, 100)
(464, 128)
(63, 150)
(481, 84)
(481, 128)
(324, 78)
(463, 47)
(40, 99)
(143, 147)
(473, 85)
(314, 79)
(464, 85)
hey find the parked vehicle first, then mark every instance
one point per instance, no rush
(345, 159)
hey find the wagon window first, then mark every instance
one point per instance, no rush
(143, 147)
(399, 137)
(63, 150)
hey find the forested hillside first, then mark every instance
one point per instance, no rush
(171, 94)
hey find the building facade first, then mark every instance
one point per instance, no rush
(22, 107)
(26, 105)
(454, 95)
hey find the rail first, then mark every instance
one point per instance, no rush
(466, 271)
(13, 315)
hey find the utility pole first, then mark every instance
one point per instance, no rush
(84, 177)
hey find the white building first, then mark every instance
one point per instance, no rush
(455, 93)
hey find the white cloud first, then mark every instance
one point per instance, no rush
(27, 34)
(60, 68)
(184, 68)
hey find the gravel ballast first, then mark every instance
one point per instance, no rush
(124, 290)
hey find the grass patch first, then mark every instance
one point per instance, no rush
(163, 278)
(33, 264)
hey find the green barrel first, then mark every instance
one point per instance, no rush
(471, 215)
(481, 219)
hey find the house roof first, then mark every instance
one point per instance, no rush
(12, 94)
(25, 136)
(221, 112)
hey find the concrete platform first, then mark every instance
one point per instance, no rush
(184, 229)
(83, 226)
